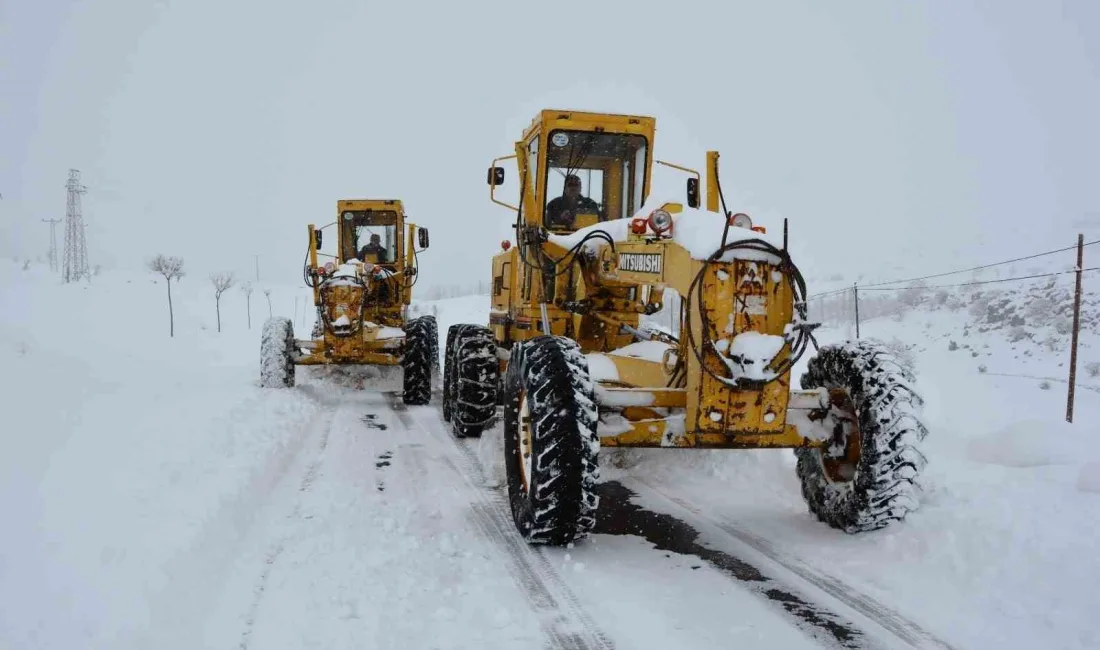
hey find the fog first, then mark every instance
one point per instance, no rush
(896, 138)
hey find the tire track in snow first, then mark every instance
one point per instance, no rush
(566, 623)
(276, 549)
(620, 514)
(818, 601)
(893, 623)
(222, 536)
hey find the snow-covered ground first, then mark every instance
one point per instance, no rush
(129, 457)
(154, 496)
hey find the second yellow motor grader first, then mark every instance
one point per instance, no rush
(362, 295)
(565, 351)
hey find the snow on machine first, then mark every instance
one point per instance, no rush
(564, 350)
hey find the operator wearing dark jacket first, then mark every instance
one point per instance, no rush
(561, 211)
(375, 247)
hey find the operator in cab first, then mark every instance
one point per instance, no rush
(561, 212)
(373, 248)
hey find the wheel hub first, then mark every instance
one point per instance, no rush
(526, 440)
(840, 458)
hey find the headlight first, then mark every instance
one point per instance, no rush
(348, 216)
(741, 220)
(660, 221)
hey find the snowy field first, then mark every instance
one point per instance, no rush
(154, 496)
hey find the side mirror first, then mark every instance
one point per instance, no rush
(496, 176)
(317, 239)
(422, 235)
(693, 192)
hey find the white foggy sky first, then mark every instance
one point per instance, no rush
(896, 137)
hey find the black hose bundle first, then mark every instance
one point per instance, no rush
(310, 278)
(798, 337)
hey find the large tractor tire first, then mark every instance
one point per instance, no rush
(867, 477)
(277, 354)
(550, 443)
(420, 333)
(471, 379)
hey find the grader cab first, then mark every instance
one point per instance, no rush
(568, 351)
(362, 293)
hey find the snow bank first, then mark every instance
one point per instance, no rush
(452, 311)
(699, 231)
(132, 460)
(1031, 443)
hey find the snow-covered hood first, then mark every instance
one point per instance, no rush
(345, 275)
(346, 271)
(698, 231)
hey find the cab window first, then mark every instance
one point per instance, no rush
(370, 236)
(592, 177)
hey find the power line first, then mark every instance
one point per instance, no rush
(979, 268)
(940, 275)
(976, 282)
(834, 292)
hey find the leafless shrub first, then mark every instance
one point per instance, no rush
(221, 282)
(172, 269)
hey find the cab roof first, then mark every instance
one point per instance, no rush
(370, 204)
(551, 118)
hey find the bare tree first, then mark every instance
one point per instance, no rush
(172, 269)
(221, 282)
(247, 289)
(267, 292)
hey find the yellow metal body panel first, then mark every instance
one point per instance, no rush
(638, 373)
(656, 433)
(712, 181)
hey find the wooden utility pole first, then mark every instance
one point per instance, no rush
(1076, 327)
(855, 290)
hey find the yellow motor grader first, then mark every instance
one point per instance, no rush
(568, 353)
(362, 294)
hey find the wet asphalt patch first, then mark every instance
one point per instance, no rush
(618, 515)
(371, 420)
(382, 461)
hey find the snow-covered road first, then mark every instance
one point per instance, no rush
(384, 532)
